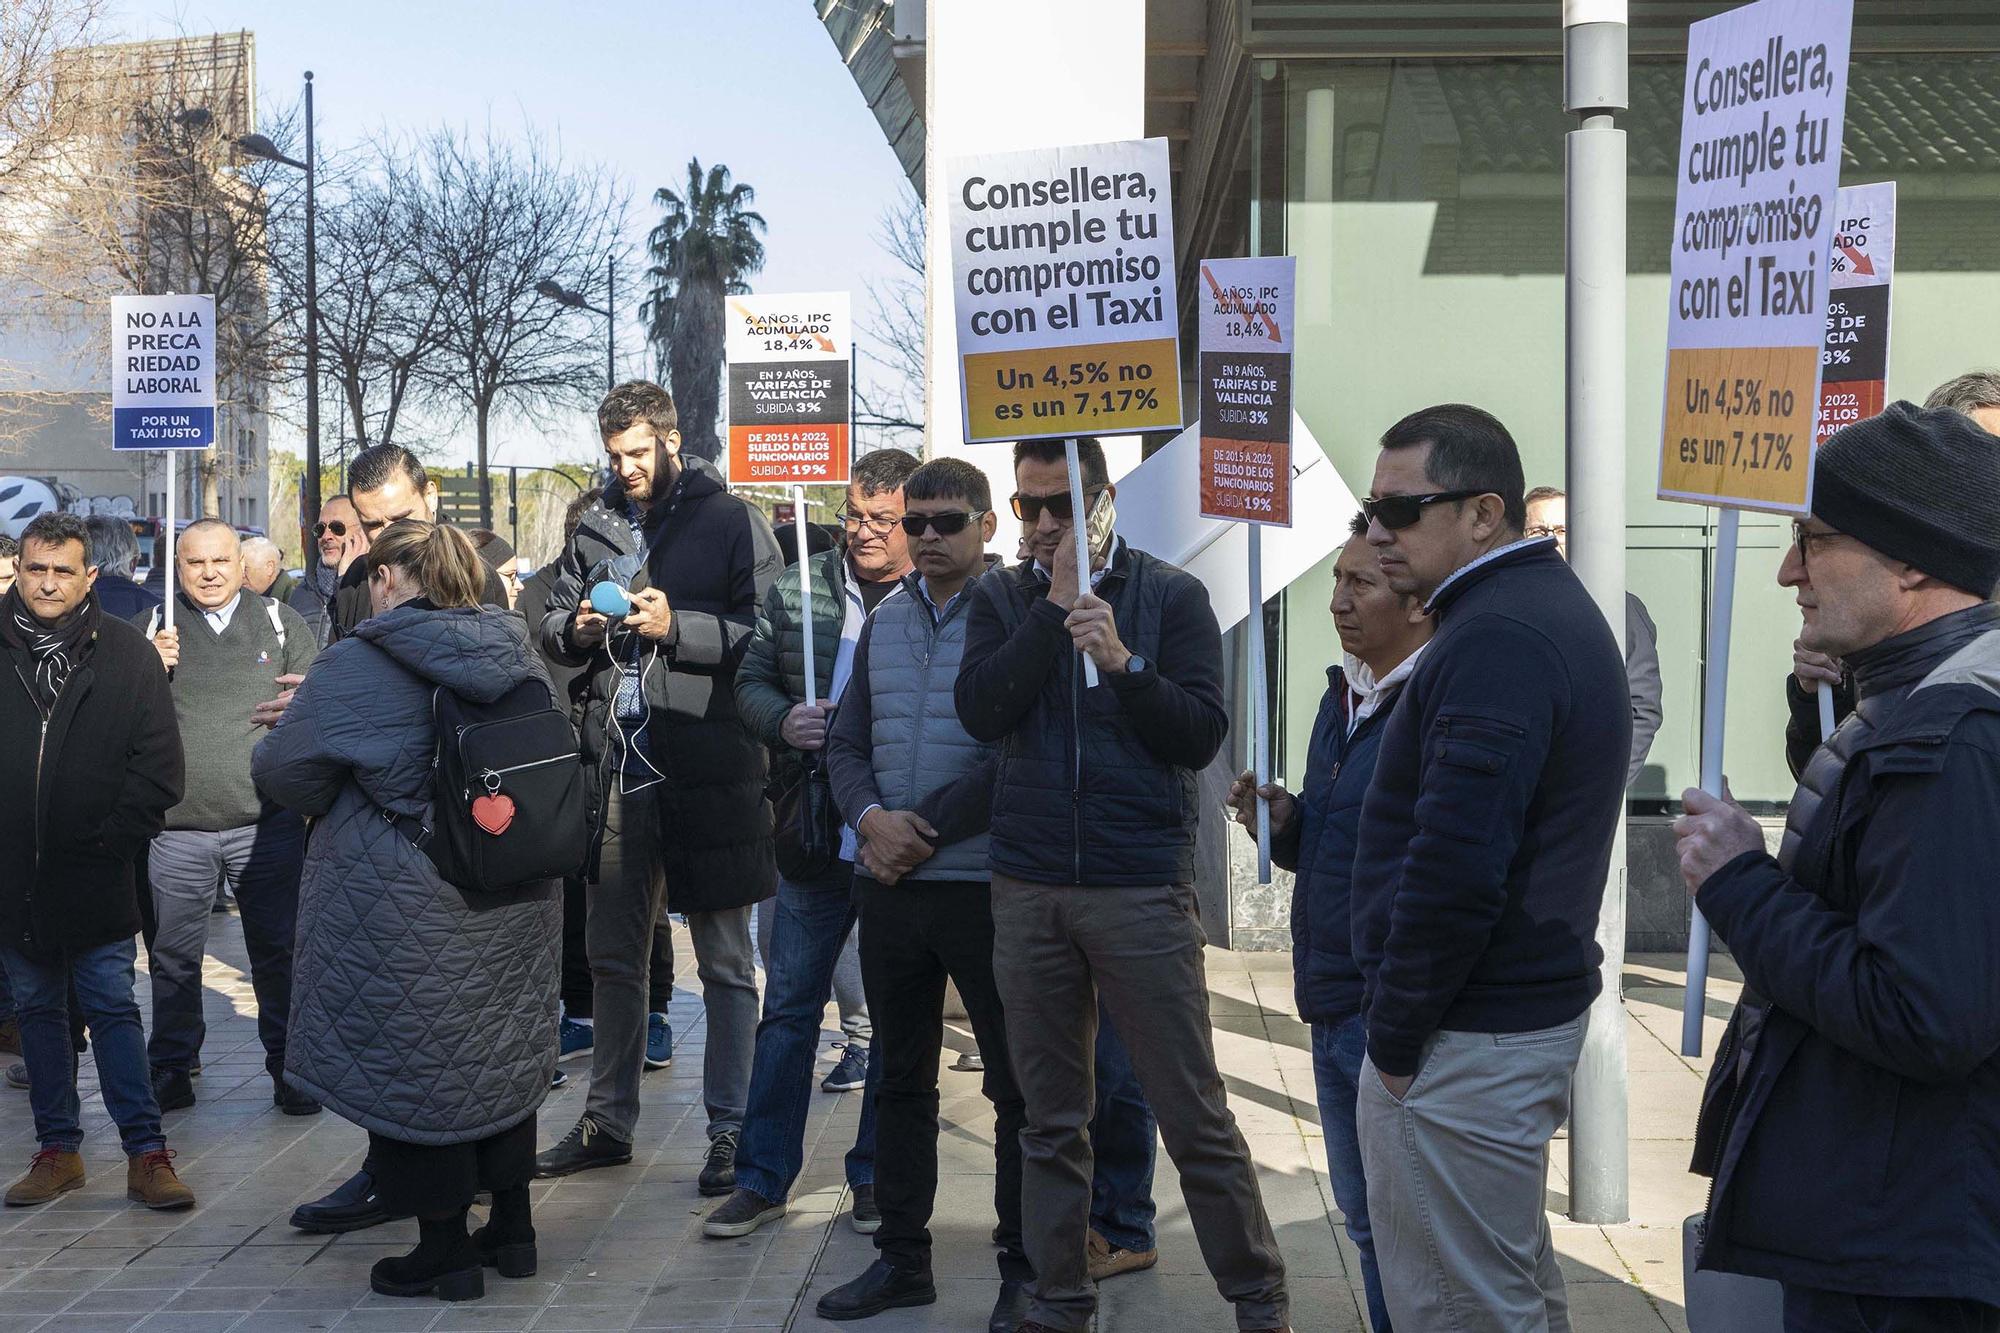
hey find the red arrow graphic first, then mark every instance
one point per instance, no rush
(1232, 303)
(1863, 265)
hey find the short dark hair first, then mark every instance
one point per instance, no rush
(578, 507)
(1089, 457)
(9, 548)
(1358, 525)
(884, 470)
(1541, 493)
(374, 466)
(1470, 451)
(948, 479)
(1967, 393)
(635, 402)
(55, 528)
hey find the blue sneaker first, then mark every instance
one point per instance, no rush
(659, 1041)
(851, 1074)
(574, 1039)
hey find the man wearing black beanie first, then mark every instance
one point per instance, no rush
(1851, 1119)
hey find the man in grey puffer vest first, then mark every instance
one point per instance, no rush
(918, 790)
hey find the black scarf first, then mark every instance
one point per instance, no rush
(56, 649)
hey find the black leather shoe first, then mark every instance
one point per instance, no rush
(290, 1100)
(585, 1147)
(355, 1206)
(882, 1287)
(718, 1174)
(1010, 1309)
(173, 1089)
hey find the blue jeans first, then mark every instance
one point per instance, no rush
(104, 991)
(1337, 1050)
(1124, 1141)
(812, 925)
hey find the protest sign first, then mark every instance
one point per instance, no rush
(790, 401)
(162, 372)
(1755, 221)
(1755, 218)
(1246, 389)
(1063, 291)
(1854, 374)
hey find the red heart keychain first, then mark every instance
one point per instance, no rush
(493, 812)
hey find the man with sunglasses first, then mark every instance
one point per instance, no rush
(919, 789)
(1483, 850)
(811, 937)
(1092, 853)
(1850, 1114)
(337, 540)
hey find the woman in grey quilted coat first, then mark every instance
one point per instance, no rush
(422, 1014)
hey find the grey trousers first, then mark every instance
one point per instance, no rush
(1056, 951)
(1456, 1172)
(625, 901)
(847, 994)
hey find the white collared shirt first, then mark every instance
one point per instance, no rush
(1365, 694)
(218, 619)
(1486, 559)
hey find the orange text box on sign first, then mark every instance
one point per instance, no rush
(1246, 480)
(1098, 389)
(788, 455)
(1739, 426)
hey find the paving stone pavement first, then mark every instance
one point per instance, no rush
(621, 1248)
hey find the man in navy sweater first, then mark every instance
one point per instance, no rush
(1383, 633)
(1484, 846)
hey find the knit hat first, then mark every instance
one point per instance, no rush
(1922, 487)
(495, 551)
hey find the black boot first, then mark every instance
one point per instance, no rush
(443, 1262)
(507, 1241)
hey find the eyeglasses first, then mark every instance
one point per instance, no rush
(880, 527)
(1029, 508)
(1396, 512)
(334, 526)
(1538, 530)
(946, 525)
(1804, 538)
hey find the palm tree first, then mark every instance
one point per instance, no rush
(705, 246)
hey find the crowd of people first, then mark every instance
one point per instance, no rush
(933, 797)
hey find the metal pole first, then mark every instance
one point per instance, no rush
(610, 322)
(805, 591)
(514, 505)
(167, 612)
(1260, 722)
(1078, 524)
(1825, 711)
(1594, 91)
(312, 323)
(1714, 712)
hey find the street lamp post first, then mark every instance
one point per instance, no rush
(561, 295)
(258, 146)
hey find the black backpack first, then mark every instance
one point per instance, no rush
(511, 805)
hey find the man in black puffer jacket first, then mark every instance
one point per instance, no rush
(1093, 895)
(1851, 1118)
(685, 826)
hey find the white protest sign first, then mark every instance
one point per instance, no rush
(162, 372)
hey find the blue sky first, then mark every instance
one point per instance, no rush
(639, 87)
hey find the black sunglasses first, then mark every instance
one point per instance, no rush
(1029, 508)
(1396, 512)
(947, 525)
(332, 525)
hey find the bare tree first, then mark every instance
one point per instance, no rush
(495, 221)
(889, 397)
(38, 109)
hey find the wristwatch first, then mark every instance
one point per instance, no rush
(1135, 664)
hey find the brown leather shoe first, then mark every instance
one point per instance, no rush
(150, 1179)
(1107, 1260)
(53, 1172)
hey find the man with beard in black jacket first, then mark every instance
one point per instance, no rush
(684, 823)
(90, 763)
(1851, 1116)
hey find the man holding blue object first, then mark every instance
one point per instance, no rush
(683, 822)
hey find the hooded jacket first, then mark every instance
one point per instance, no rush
(419, 1011)
(1852, 1117)
(715, 558)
